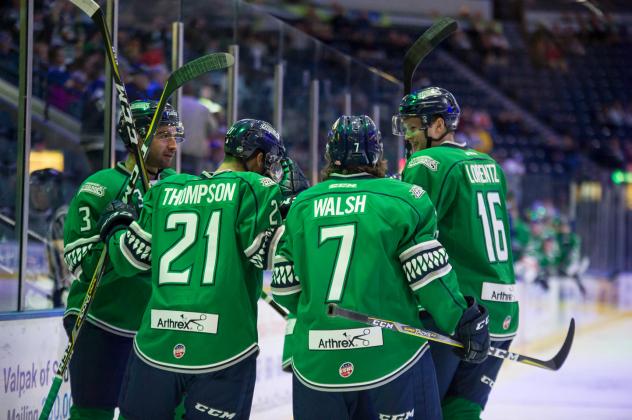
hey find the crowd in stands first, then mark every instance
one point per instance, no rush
(549, 69)
(69, 62)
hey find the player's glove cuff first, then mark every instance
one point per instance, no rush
(116, 216)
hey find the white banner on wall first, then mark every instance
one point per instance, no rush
(30, 350)
(29, 353)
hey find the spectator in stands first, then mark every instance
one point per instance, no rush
(199, 123)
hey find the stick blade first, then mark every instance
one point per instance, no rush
(89, 7)
(201, 65)
(433, 36)
(561, 355)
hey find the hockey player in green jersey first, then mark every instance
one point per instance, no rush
(468, 191)
(105, 340)
(367, 243)
(205, 239)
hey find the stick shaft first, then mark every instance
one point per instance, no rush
(553, 364)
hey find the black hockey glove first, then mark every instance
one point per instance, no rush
(473, 332)
(293, 180)
(292, 183)
(116, 216)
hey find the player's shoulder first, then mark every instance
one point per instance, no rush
(257, 183)
(102, 185)
(441, 159)
(167, 173)
(175, 178)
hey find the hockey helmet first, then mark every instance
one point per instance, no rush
(354, 140)
(143, 111)
(248, 136)
(427, 104)
(45, 188)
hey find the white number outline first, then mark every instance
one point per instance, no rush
(497, 247)
(346, 235)
(212, 234)
(85, 218)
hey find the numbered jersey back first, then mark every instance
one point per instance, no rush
(345, 237)
(202, 311)
(468, 190)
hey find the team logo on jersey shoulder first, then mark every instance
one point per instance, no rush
(507, 322)
(346, 369)
(416, 191)
(427, 161)
(267, 182)
(179, 350)
(93, 188)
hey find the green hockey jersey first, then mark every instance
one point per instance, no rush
(369, 245)
(112, 310)
(206, 240)
(468, 191)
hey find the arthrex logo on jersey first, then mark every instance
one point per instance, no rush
(345, 339)
(184, 321)
(499, 292)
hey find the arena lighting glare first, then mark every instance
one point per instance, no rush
(621, 177)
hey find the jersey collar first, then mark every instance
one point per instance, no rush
(448, 143)
(120, 166)
(347, 176)
(210, 175)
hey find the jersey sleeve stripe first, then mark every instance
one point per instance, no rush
(75, 252)
(135, 248)
(284, 280)
(424, 281)
(259, 251)
(146, 236)
(286, 291)
(425, 262)
(273, 245)
(415, 249)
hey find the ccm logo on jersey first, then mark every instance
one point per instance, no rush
(214, 412)
(404, 416)
(345, 339)
(184, 321)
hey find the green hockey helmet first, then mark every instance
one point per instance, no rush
(143, 111)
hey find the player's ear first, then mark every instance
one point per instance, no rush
(261, 161)
(256, 162)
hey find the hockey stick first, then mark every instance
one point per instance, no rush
(92, 9)
(423, 46)
(189, 71)
(553, 364)
(278, 308)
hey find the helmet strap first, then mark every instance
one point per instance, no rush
(429, 139)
